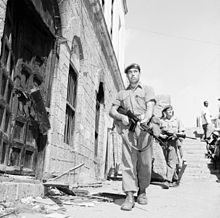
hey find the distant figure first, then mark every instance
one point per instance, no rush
(206, 121)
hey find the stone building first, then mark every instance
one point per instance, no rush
(59, 72)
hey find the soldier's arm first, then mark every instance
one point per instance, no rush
(114, 113)
(149, 111)
(150, 103)
(117, 116)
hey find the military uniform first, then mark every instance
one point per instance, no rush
(172, 125)
(136, 166)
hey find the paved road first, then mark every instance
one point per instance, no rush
(198, 196)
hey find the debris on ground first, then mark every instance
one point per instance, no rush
(6, 209)
(57, 197)
(91, 185)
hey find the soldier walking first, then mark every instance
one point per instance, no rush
(136, 171)
(170, 127)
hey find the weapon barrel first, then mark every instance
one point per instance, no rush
(147, 129)
(182, 135)
(188, 137)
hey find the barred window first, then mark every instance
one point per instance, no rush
(70, 106)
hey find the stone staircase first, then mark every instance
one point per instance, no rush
(197, 164)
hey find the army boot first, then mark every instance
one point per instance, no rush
(129, 202)
(142, 197)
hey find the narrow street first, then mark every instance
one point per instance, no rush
(78, 76)
(198, 195)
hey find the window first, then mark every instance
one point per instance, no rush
(70, 106)
(103, 6)
(99, 102)
(112, 17)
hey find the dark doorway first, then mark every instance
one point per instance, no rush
(26, 64)
(99, 102)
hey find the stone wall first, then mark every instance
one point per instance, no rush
(78, 19)
(13, 191)
(95, 64)
(93, 69)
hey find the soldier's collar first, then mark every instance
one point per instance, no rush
(138, 85)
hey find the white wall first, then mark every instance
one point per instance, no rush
(117, 23)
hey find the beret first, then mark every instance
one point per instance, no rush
(132, 66)
(167, 107)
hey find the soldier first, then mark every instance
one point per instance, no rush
(170, 126)
(136, 171)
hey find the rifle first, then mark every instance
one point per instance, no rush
(178, 135)
(133, 123)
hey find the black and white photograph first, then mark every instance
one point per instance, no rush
(109, 109)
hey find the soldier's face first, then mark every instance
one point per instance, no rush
(133, 75)
(169, 113)
(206, 104)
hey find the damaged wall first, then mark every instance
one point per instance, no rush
(80, 78)
(27, 54)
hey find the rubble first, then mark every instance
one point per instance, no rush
(53, 205)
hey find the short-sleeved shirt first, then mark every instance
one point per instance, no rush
(172, 125)
(135, 99)
(205, 115)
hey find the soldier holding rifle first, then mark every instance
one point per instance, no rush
(136, 161)
(172, 132)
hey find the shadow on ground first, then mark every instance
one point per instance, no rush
(119, 198)
(115, 198)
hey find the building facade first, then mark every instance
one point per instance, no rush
(59, 73)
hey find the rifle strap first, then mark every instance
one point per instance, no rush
(134, 147)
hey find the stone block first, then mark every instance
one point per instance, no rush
(12, 191)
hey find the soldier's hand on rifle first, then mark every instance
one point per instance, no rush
(144, 125)
(144, 121)
(124, 120)
(163, 136)
(173, 137)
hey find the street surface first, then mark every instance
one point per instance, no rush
(198, 195)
